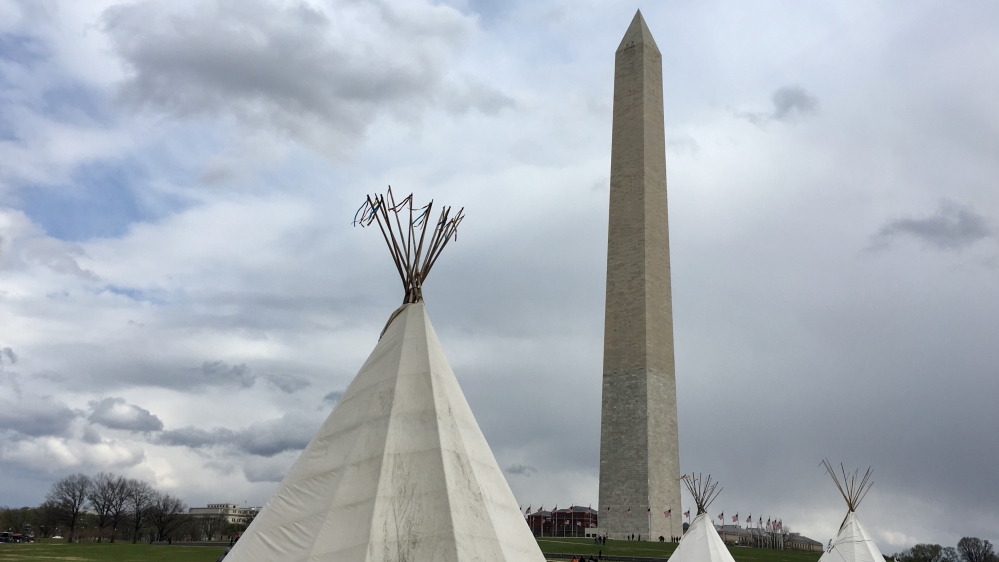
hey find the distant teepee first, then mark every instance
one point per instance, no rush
(400, 471)
(701, 542)
(852, 542)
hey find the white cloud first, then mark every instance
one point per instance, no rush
(115, 413)
(52, 455)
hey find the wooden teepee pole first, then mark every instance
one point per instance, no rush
(412, 252)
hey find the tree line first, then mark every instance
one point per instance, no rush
(99, 507)
(969, 549)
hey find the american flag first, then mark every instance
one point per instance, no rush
(628, 511)
(687, 514)
(668, 512)
(648, 511)
(749, 519)
(722, 516)
(608, 510)
(735, 518)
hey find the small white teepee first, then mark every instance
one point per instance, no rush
(701, 542)
(400, 471)
(852, 543)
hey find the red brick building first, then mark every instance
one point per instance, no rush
(573, 521)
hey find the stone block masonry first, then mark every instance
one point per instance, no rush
(639, 450)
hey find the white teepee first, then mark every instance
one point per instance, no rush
(852, 542)
(399, 472)
(701, 542)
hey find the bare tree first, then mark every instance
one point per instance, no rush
(13, 519)
(975, 549)
(69, 495)
(166, 513)
(948, 554)
(211, 525)
(140, 498)
(118, 506)
(107, 499)
(47, 516)
(919, 553)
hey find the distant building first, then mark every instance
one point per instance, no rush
(231, 512)
(761, 538)
(575, 521)
(795, 541)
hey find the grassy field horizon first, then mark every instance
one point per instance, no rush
(51, 550)
(106, 552)
(664, 550)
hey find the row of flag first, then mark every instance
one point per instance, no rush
(648, 511)
(773, 524)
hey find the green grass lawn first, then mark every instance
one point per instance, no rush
(104, 552)
(126, 552)
(663, 550)
(616, 548)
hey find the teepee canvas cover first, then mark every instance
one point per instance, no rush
(852, 542)
(399, 472)
(701, 543)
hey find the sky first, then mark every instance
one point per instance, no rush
(183, 298)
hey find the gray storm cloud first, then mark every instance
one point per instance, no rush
(951, 227)
(7, 355)
(35, 417)
(294, 68)
(790, 103)
(333, 397)
(219, 372)
(195, 437)
(521, 469)
(267, 438)
(267, 469)
(288, 383)
(793, 101)
(116, 413)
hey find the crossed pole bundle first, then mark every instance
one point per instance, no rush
(852, 491)
(702, 489)
(404, 228)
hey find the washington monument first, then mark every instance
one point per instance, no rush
(639, 453)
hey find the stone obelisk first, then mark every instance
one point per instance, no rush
(639, 451)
